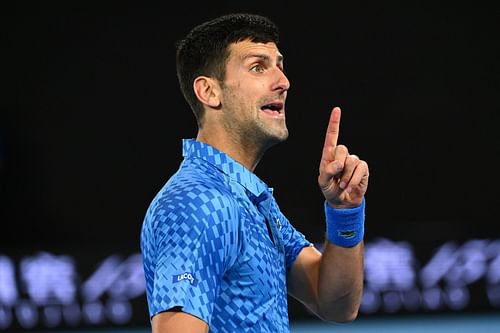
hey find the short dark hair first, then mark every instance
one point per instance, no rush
(205, 49)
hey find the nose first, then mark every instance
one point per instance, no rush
(281, 82)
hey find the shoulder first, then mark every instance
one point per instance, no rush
(195, 197)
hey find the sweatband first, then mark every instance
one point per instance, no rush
(345, 226)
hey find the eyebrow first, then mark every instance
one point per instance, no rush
(262, 56)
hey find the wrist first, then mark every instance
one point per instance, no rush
(345, 226)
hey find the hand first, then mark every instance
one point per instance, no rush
(343, 178)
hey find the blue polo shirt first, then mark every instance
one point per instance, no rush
(215, 243)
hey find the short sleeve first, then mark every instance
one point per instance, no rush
(193, 239)
(293, 240)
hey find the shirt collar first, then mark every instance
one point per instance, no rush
(229, 166)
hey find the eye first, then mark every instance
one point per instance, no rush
(257, 68)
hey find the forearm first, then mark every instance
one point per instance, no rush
(340, 277)
(340, 282)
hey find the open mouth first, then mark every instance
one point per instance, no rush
(275, 108)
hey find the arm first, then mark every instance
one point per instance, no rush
(331, 284)
(177, 321)
(178, 264)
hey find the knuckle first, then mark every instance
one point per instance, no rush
(352, 161)
(354, 157)
(342, 149)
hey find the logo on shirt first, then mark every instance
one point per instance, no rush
(278, 222)
(184, 277)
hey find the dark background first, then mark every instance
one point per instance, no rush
(92, 117)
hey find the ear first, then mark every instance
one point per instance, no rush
(207, 90)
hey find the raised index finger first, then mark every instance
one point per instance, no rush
(332, 134)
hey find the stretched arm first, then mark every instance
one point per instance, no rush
(330, 284)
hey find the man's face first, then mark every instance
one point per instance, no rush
(254, 93)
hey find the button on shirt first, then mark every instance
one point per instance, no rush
(215, 243)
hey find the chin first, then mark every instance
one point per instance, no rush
(277, 138)
(284, 135)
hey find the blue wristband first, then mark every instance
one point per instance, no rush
(345, 227)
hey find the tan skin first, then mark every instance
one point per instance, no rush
(330, 283)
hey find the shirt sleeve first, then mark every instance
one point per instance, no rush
(195, 241)
(293, 240)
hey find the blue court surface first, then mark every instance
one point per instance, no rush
(477, 323)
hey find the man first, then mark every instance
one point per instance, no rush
(218, 253)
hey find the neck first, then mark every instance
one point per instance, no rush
(246, 153)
